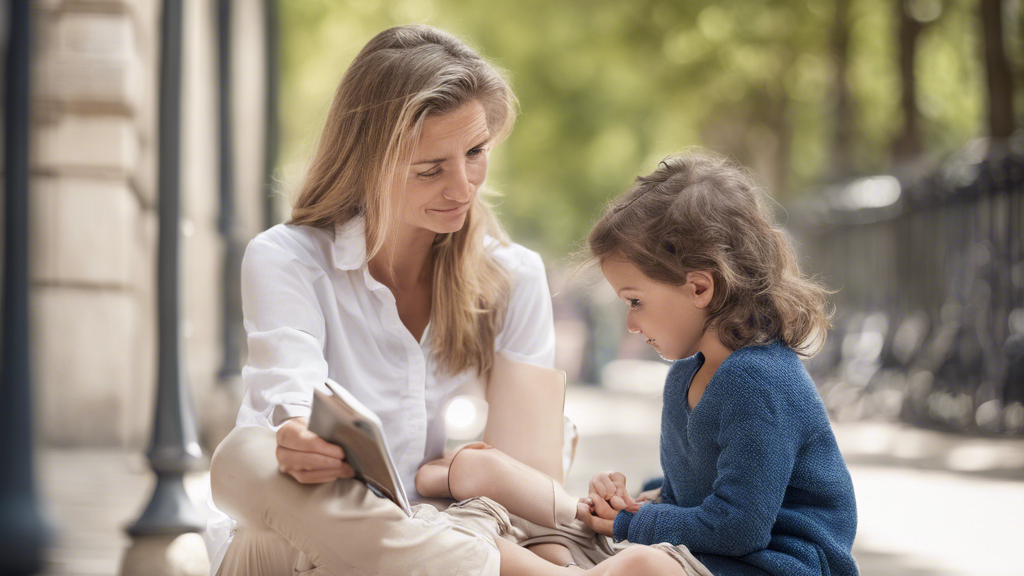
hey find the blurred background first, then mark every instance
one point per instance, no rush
(887, 131)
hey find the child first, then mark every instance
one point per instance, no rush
(754, 482)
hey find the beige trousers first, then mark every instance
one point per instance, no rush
(587, 548)
(336, 528)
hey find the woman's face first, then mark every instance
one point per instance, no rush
(671, 318)
(448, 166)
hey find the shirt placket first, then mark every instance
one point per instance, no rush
(414, 409)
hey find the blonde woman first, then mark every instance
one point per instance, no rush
(394, 279)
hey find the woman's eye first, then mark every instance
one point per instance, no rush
(475, 151)
(633, 302)
(430, 174)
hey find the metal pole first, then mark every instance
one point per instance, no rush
(175, 447)
(23, 533)
(270, 144)
(227, 225)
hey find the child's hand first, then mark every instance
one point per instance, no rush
(608, 489)
(649, 496)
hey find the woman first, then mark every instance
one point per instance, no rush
(394, 279)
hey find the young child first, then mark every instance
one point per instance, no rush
(754, 482)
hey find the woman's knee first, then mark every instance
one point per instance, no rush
(243, 471)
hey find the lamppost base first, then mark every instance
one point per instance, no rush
(170, 512)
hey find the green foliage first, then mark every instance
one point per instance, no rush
(607, 88)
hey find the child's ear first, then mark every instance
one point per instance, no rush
(703, 287)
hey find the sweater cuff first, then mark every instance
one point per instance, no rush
(620, 528)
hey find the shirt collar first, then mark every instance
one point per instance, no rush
(350, 244)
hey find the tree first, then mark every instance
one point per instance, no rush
(1000, 84)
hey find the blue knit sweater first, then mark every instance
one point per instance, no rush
(754, 481)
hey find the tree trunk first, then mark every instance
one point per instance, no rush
(908, 143)
(1000, 84)
(841, 164)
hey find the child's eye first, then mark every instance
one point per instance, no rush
(633, 302)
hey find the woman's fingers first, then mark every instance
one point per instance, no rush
(288, 459)
(305, 465)
(295, 434)
(599, 525)
(315, 476)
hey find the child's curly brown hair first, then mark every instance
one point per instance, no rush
(702, 211)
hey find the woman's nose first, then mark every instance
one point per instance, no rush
(459, 188)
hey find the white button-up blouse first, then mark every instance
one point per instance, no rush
(313, 312)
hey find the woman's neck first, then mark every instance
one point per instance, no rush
(405, 260)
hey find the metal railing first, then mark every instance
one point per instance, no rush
(930, 310)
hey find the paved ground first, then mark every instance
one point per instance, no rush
(930, 504)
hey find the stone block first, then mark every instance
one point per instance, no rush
(87, 144)
(81, 341)
(82, 230)
(110, 35)
(90, 79)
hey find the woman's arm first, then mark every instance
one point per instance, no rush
(528, 331)
(479, 470)
(286, 332)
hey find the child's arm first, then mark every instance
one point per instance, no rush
(754, 468)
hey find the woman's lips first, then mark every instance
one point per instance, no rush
(453, 210)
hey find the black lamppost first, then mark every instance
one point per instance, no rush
(227, 224)
(270, 144)
(22, 530)
(174, 449)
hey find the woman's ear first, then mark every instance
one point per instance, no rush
(703, 287)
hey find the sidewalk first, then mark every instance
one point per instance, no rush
(930, 504)
(89, 496)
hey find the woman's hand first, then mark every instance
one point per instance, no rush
(307, 457)
(584, 512)
(608, 491)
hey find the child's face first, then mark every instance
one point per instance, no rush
(671, 318)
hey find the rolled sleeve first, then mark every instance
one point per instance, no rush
(286, 333)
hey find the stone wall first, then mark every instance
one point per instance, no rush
(94, 221)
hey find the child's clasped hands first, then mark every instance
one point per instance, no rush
(608, 496)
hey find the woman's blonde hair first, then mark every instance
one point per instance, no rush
(402, 76)
(703, 212)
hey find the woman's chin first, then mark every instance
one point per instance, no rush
(448, 225)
